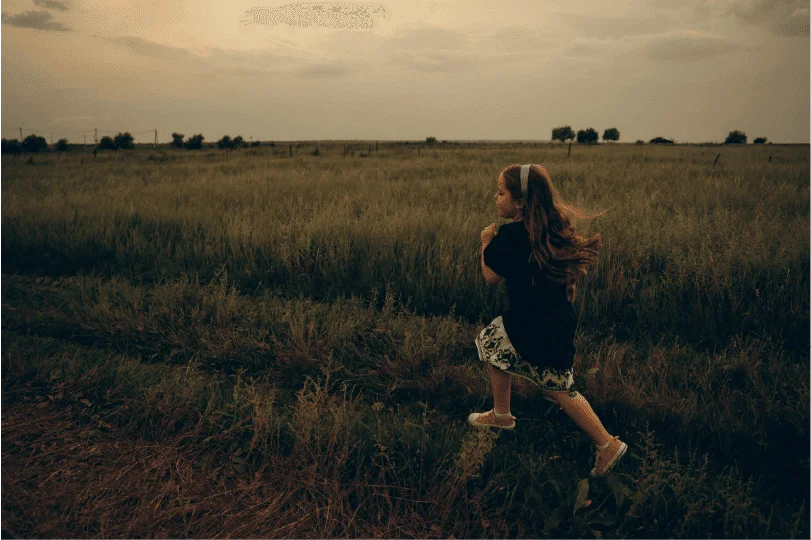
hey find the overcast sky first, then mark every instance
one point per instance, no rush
(692, 70)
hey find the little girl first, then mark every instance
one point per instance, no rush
(541, 257)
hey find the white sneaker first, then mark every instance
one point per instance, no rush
(491, 419)
(608, 455)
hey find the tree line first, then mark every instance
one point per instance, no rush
(34, 144)
(125, 141)
(590, 136)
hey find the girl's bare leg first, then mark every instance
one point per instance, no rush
(579, 410)
(502, 382)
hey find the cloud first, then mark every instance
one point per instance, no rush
(688, 45)
(589, 26)
(431, 49)
(73, 120)
(155, 50)
(323, 71)
(51, 4)
(434, 61)
(39, 20)
(427, 37)
(235, 62)
(581, 47)
(517, 42)
(787, 17)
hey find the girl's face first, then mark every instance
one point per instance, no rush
(507, 206)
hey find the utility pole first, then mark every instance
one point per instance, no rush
(96, 135)
(156, 139)
(21, 133)
(85, 139)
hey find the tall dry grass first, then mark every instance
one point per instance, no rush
(200, 345)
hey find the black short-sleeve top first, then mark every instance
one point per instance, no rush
(540, 321)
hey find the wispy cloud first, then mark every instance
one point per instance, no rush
(39, 20)
(322, 71)
(787, 17)
(783, 17)
(73, 120)
(688, 45)
(434, 61)
(235, 62)
(51, 4)
(155, 50)
(517, 43)
(607, 27)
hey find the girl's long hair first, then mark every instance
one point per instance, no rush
(556, 246)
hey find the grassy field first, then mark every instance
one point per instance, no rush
(203, 344)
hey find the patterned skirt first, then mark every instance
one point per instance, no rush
(495, 349)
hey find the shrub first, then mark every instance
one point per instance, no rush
(33, 143)
(736, 137)
(11, 146)
(107, 143)
(124, 141)
(177, 140)
(563, 134)
(588, 136)
(195, 142)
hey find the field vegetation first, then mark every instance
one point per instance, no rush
(247, 344)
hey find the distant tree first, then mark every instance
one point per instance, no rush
(177, 140)
(736, 137)
(640, 141)
(430, 140)
(760, 140)
(611, 134)
(562, 134)
(661, 140)
(62, 145)
(34, 143)
(107, 143)
(195, 142)
(588, 136)
(123, 141)
(256, 143)
(237, 142)
(225, 143)
(12, 146)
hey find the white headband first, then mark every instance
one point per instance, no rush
(524, 180)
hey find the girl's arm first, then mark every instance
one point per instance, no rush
(490, 277)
